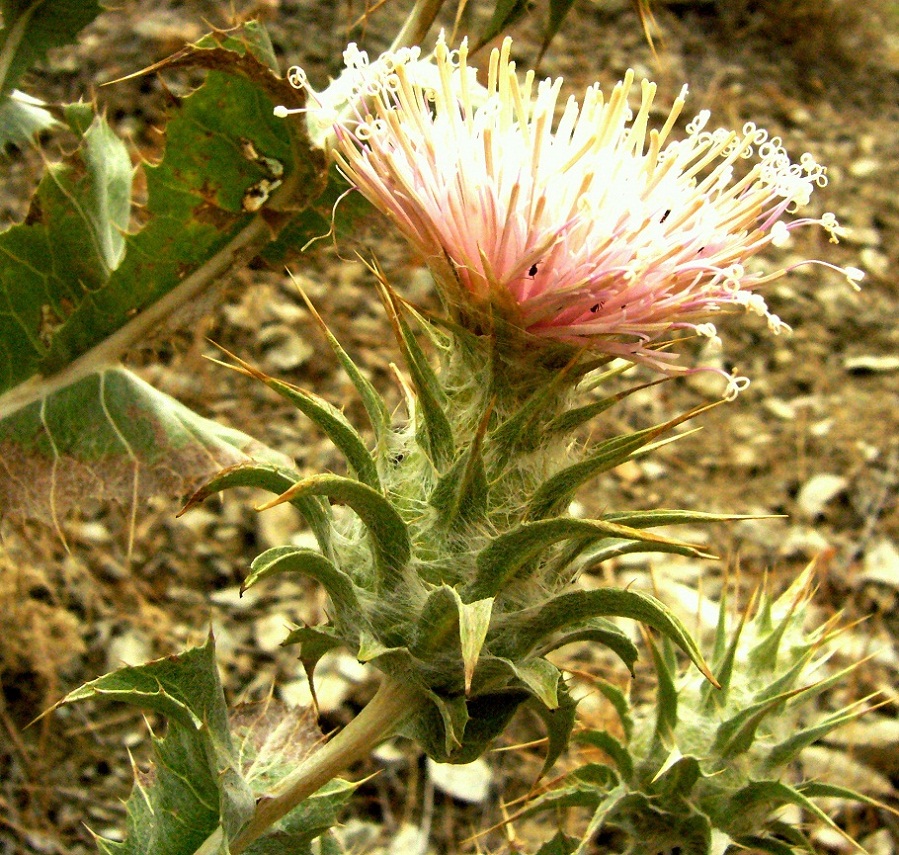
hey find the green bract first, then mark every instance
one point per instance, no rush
(453, 570)
(708, 770)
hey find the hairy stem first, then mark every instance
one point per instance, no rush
(380, 719)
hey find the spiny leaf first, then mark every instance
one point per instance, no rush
(556, 493)
(666, 698)
(474, 621)
(505, 13)
(21, 119)
(508, 554)
(275, 479)
(778, 793)
(294, 559)
(608, 744)
(617, 699)
(140, 441)
(559, 724)
(558, 9)
(195, 785)
(461, 493)
(327, 417)
(596, 630)
(782, 753)
(524, 430)
(521, 631)
(572, 419)
(538, 675)
(737, 734)
(389, 533)
(314, 643)
(438, 433)
(31, 29)
(374, 404)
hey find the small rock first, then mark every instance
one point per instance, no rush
(270, 630)
(881, 563)
(865, 166)
(276, 526)
(818, 491)
(285, 349)
(871, 364)
(466, 782)
(874, 261)
(129, 648)
(408, 839)
(802, 542)
(860, 235)
(296, 693)
(780, 409)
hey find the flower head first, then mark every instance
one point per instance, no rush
(590, 228)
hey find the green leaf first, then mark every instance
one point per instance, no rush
(139, 442)
(666, 698)
(348, 615)
(571, 420)
(556, 493)
(754, 843)
(461, 493)
(487, 717)
(597, 630)
(331, 421)
(272, 740)
(251, 37)
(521, 631)
(560, 844)
(314, 643)
(195, 785)
(558, 9)
(31, 29)
(737, 734)
(777, 794)
(559, 724)
(507, 555)
(474, 621)
(21, 119)
(389, 534)
(276, 479)
(608, 744)
(782, 753)
(378, 415)
(505, 14)
(435, 432)
(539, 676)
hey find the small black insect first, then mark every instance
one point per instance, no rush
(665, 215)
(532, 271)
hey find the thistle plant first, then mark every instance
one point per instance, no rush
(565, 245)
(708, 770)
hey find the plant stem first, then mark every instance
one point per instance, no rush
(417, 24)
(379, 720)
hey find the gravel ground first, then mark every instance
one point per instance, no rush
(814, 438)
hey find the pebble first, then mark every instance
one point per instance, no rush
(130, 648)
(270, 630)
(881, 563)
(465, 782)
(871, 364)
(817, 492)
(277, 526)
(408, 839)
(875, 262)
(802, 542)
